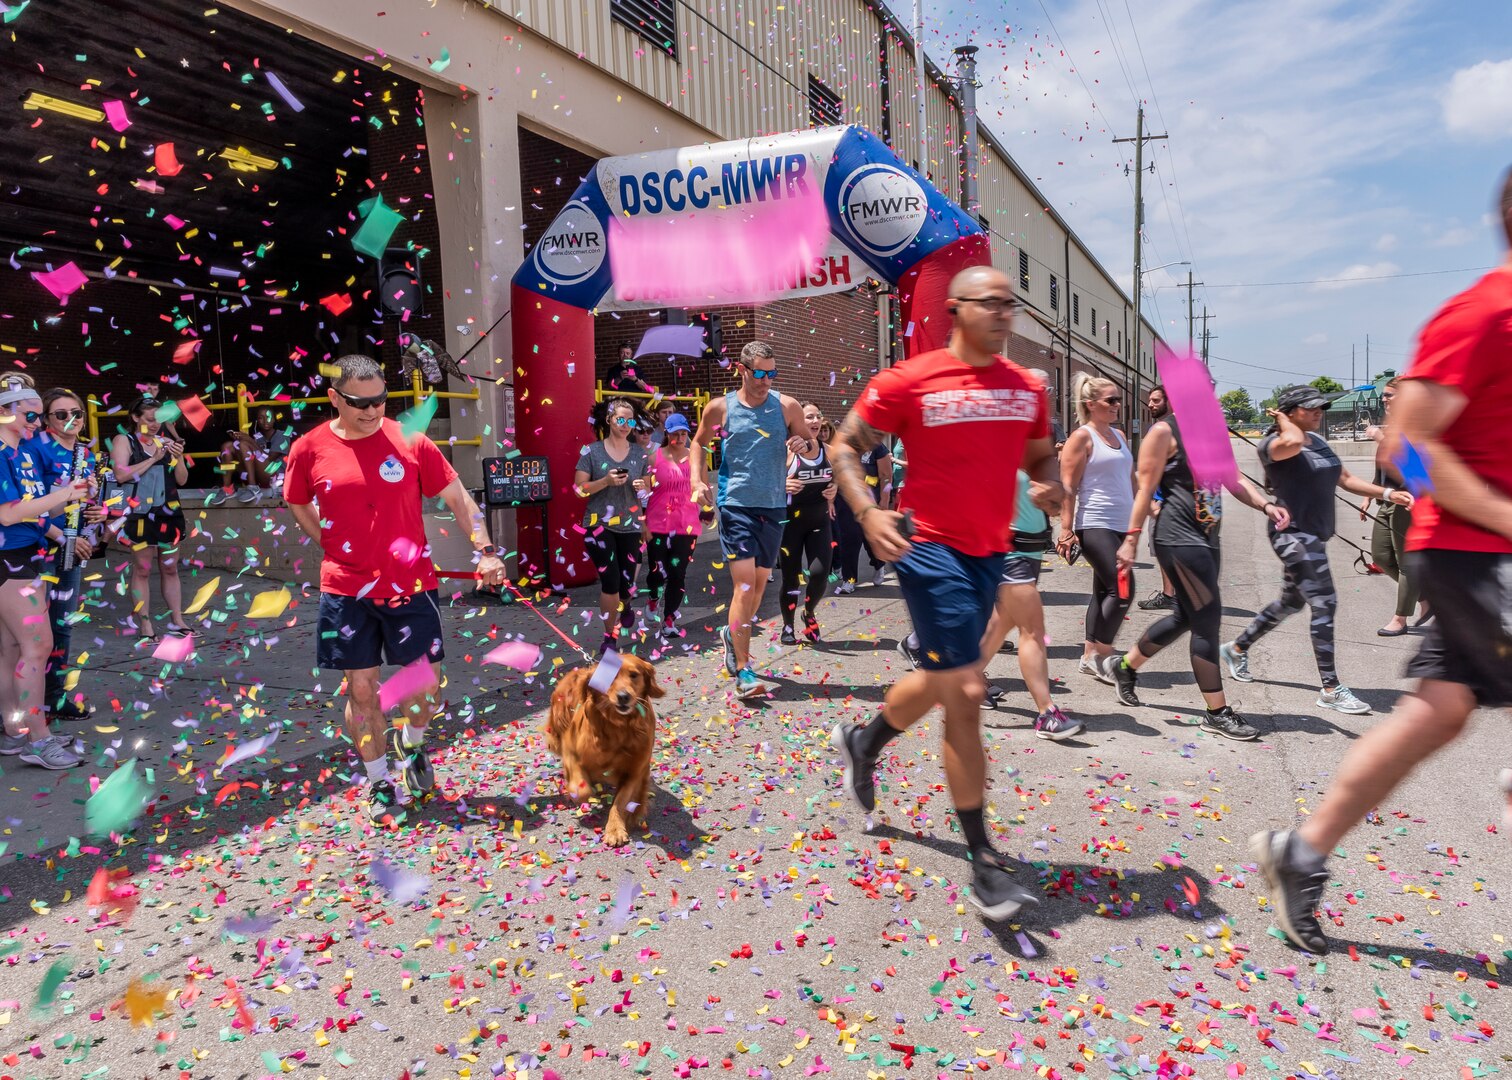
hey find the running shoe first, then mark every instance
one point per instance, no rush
(994, 695)
(860, 770)
(1158, 601)
(1237, 662)
(879, 576)
(215, 497)
(811, 627)
(1124, 679)
(671, 631)
(1296, 884)
(71, 709)
(11, 745)
(731, 665)
(910, 653)
(50, 753)
(1229, 724)
(1341, 699)
(417, 776)
(1055, 725)
(993, 891)
(249, 494)
(845, 588)
(1089, 666)
(788, 637)
(748, 685)
(381, 800)
(610, 643)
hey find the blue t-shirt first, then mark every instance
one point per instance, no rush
(58, 460)
(22, 476)
(1027, 519)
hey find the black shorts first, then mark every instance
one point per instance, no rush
(1022, 569)
(359, 633)
(165, 529)
(1470, 639)
(24, 564)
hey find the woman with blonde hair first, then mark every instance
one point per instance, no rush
(27, 522)
(1097, 470)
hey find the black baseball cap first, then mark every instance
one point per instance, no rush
(1301, 397)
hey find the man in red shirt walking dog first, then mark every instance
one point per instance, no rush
(356, 486)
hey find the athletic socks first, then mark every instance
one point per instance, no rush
(414, 737)
(876, 735)
(376, 770)
(974, 828)
(913, 640)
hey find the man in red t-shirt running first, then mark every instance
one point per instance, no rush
(356, 486)
(971, 420)
(1451, 413)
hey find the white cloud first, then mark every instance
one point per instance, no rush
(1357, 274)
(1478, 101)
(1453, 236)
(1387, 242)
(1315, 339)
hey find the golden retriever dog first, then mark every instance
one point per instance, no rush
(607, 738)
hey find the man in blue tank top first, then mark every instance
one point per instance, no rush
(758, 426)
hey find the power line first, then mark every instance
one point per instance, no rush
(1272, 370)
(1321, 281)
(1076, 68)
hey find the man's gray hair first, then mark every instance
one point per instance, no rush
(356, 366)
(756, 350)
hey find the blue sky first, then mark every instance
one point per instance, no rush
(1309, 140)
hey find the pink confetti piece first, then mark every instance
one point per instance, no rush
(174, 649)
(404, 551)
(520, 655)
(412, 680)
(115, 112)
(62, 282)
(250, 749)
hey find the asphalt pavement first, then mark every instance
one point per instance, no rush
(255, 923)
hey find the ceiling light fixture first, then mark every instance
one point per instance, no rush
(35, 100)
(243, 160)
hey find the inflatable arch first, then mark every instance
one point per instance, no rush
(884, 221)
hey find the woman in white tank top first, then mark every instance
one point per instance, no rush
(1097, 469)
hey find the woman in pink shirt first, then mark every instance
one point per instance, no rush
(672, 517)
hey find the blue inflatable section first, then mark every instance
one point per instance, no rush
(570, 262)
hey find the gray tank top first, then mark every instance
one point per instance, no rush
(754, 453)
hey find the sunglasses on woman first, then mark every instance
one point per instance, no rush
(363, 402)
(67, 414)
(31, 417)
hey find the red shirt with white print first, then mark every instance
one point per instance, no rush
(369, 492)
(966, 428)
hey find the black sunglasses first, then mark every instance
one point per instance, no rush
(67, 414)
(991, 303)
(363, 402)
(1112, 401)
(31, 417)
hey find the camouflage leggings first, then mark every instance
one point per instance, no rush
(1307, 582)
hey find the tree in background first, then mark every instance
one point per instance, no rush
(1270, 403)
(1327, 385)
(1237, 406)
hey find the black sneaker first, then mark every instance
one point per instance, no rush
(993, 891)
(1296, 887)
(811, 627)
(910, 653)
(994, 695)
(788, 637)
(71, 709)
(860, 770)
(1124, 678)
(1229, 724)
(418, 777)
(382, 801)
(1158, 601)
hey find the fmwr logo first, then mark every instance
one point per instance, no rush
(884, 206)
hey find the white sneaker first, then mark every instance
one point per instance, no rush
(1237, 663)
(1341, 699)
(845, 588)
(879, 577)
(1089, 666)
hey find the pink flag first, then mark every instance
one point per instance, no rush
(520, 655)
(174, 649)
(1204, 433)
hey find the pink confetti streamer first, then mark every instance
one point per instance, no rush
(412, 680)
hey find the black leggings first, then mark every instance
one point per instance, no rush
(667, 575)
(1199, 608)
(808, 546)
(1106, 609)
(616, 556)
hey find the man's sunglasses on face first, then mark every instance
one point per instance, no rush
(761, 373)
(993, 304)
(363, 402)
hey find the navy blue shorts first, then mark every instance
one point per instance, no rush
(950, 598)
(750, 533)
(358, 633)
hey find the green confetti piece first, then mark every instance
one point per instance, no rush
(344, 1059)
(378, 225)
(118, 802)
(415, 421)
(442, 62)
(49, 988)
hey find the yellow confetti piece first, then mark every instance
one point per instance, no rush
(270, 604)
(206, 591)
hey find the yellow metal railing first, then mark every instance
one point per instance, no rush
(245, 404)
(699, 399)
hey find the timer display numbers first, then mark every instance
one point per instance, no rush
(516, 481)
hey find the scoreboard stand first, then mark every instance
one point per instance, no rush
(512, 482)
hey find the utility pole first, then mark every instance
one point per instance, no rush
(923, 122)
(1139, 139)
(1190, 283)
(1206, 337)
(1367, 354)
(1352, 383)
(966, 64)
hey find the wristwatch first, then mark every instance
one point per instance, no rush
(488, 549)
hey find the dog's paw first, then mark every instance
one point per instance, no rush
(615, 834)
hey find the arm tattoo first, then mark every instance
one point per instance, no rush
(854, 436)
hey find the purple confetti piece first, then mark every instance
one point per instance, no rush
(283, 91)
(1025, 944)
(402, 886)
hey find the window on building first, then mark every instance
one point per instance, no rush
(1054, 293)
(1023, 269)
(1108, 333)
(1120, 341)
(884, 85)
(825, 109)
(654, 20)
(1094, 324)
(1076, 309)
